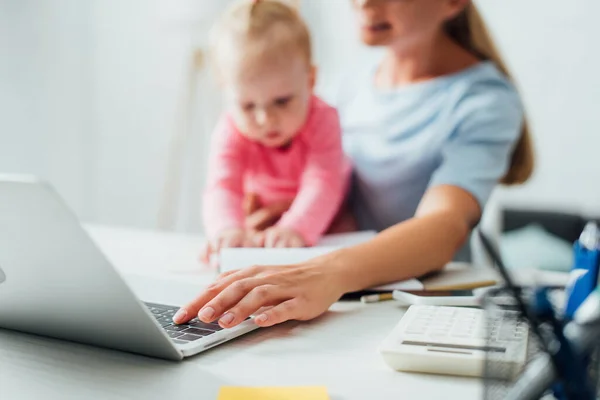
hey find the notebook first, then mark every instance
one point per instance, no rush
(461, 276)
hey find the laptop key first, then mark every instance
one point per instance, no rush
(174, 335)
(199, 332)
(159, 306)
(203, 325)
(176, 328)
(189, 338)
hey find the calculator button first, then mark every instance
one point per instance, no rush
(437, 333)
(460, 335)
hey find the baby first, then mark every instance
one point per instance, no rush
(276, 141)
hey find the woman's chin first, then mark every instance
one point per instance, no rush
(375, 39)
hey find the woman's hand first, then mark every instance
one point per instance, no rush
(295, 292)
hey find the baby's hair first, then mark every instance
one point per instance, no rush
(276, 26)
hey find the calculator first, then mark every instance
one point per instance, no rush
(457, 341)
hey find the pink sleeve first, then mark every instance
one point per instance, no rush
(223, 196)
(324, 180)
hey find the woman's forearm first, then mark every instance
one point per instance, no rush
(409, 249)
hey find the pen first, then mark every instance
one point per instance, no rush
(376, 298)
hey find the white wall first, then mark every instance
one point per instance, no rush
(552, 47)
(90, 91)
(44, 91)
(140, 69)
(91, 95)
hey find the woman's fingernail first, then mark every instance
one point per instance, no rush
(206, 314)
(261, 318)
(227, 319)
(180, 315)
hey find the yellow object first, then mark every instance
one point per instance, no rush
(375, 298)
(273, 393)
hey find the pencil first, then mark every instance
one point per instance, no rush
(376, 298)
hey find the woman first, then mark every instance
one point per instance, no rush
(431, 128)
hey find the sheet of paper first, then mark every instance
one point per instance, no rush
(232, 259)
(347, 239)
(409, 284)
(273, 393)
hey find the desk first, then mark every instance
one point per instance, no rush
(337, 350)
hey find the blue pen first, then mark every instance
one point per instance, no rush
(584, 275)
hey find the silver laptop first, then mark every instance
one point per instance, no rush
(54, 281)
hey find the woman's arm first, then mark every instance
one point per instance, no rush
(420, 245)
(304, 291)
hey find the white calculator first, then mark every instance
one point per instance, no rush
(452, 341)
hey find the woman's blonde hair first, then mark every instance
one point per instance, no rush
(469, 30)
(261, 28)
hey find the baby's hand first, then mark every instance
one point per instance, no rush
(283, 237)
(227, 238)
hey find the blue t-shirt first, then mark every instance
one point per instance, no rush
(458, 129)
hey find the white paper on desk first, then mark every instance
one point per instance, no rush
(409, 284)
(232, 259)
(347, 239)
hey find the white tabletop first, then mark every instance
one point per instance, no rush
(337, 350)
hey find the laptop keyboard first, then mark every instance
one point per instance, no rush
(184, 333)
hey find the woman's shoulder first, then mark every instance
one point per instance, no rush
(481, 99)
(483, 91)
(484, 82)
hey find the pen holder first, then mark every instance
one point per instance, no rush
(506, 333)
(504, 328)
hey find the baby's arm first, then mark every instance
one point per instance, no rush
(224, 194)
(324, 181)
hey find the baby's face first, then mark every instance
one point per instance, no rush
(269, 99)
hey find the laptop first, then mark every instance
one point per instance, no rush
(55, 282)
